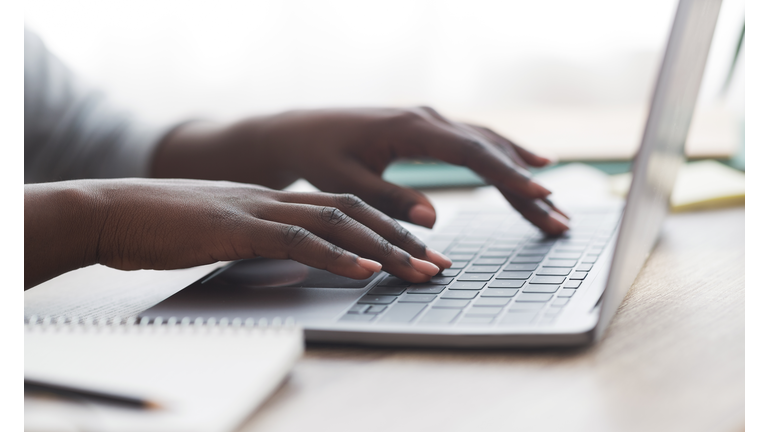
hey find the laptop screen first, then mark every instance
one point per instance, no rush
(662, 147)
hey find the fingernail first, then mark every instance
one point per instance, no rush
(551, 159)
(425, 267)
(561, 219)
(369, 265)
(422, 215)
(540, 190)
(555, 208)
(441, 260)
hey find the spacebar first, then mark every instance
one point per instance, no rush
(402, 312)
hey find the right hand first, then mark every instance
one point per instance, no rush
(170, 224)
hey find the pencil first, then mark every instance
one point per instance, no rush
(69, 392)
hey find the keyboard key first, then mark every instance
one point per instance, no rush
(559, 263)
(578, 275)
(467, 286)
(357, 317)
(376, 299)
(491, 301)
(491, 261)
(417, 298)
(484, 311)
(374, 309)
(501, 248)
(547, 280)
(458, 264)
(553, 271)
(590, 259)
(535, 250)
(559, 302)
(584, 267)
(534, 297)
(358, 308)
(441, 280)
(528, 259)
(439, 316)
(476, 320)
(467, 249)
(503, 254)
(450, 272)
(482, 269)
(461, 256)
(450, 303)
(514, 275)
(387, 290)
(402, 312)
(541, 288)
(497, 292)
(459, 295)
(521, 267)
(506, 284)
(566, 293)
(517, 318)
(426, 289)
(391, 281)
(476, 277)
(571, 249)
(572, 284)
(565, 256)
(526, 307)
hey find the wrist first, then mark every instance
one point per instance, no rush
(62, 227)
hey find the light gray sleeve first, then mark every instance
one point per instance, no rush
(70, 129)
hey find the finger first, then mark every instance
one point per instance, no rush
(396, 201)
(504, 145)
(377, 221)
(529, 157)
(286, 241)
(457, 146)
(334, 226)
(539, 213)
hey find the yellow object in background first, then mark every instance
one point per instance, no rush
(700, 185)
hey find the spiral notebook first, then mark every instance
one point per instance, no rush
(205, 376)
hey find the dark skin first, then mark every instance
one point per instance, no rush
(348, 229)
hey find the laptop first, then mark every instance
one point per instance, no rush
(510, 285)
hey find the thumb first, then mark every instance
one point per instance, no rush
(396, 201)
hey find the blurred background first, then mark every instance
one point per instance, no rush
(569, 79)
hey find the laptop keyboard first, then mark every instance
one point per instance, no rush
(505, 272)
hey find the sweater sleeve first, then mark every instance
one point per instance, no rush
(70, 129)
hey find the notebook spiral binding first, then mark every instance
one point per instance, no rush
(159, 323)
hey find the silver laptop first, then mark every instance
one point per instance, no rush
(510, 285)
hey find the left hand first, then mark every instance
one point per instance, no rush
(347, 150)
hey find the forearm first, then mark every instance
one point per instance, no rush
(62, 222)
(240, 152)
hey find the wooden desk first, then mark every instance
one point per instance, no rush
(672, 360)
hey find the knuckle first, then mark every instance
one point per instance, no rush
(408, 116)
(335, 252)
(385, 248)
(350, 201)
(332, 215)
(406, 237)
(292, 235)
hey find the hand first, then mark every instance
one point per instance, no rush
(134, 224)
(348, 150)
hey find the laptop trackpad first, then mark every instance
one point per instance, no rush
(263, 288)
(284, 273)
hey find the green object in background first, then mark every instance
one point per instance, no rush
(421, 174)
(431, 175)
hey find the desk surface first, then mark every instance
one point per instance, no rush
(672, 360)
